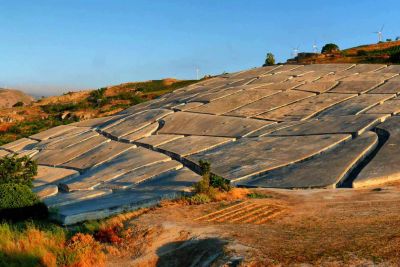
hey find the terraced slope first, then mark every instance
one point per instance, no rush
(286, 126)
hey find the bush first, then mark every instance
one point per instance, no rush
(258, 195)
(361, 53)
(269, 60)
(98, 98)
(13, 195)
(18, 104)
(220, 183)
(199, 199)
(395, 58)
(208, 187)
(17, 170)
(330, 48)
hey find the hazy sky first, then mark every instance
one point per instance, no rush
(53, 46)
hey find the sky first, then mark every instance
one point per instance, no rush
(55, 46)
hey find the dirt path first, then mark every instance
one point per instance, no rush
(318, 227)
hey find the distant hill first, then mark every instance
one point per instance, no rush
(9, 97)
(22, 121)
(372, 53)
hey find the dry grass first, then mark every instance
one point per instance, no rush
(29, 245)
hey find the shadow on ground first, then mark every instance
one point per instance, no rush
(193, 252)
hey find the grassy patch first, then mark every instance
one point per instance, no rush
(31, 127)
(257, 195)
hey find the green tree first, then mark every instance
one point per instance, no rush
(269, 60)
(330, 48)
(13, 195)
(17, 170)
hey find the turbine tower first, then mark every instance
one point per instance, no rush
(379, 33)
(315, 48)
(295, 51)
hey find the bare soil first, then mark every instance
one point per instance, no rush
(288, 228)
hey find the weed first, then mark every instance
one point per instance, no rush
(258, 195)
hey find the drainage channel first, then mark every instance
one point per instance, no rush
(383, 136)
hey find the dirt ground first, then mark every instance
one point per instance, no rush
(342, 227)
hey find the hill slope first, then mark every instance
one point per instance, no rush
(17, 122)
(10, 97)
(371, 53)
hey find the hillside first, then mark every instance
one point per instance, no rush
(371, 53)
(273, 166)
(9, 97)
(17, 122)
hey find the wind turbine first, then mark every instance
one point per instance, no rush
(295, 51)
(315, 48)
(197, 73)
(379, 33)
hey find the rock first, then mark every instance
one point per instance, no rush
(62, 129)
(327, 170)
(98, 155)
(384, 166)
(128, 161)
(185, 123)
(159, 139)
(21, 144)
(270, 103)
(49, 175)
(355, 87)
(250, 157)
(182, 147)
(354, 125)
(57, 157)
(45, 191)
(355, 105)
(134, 122)
(317, 87)
(390, 87)
(233, 101)
(306, 108)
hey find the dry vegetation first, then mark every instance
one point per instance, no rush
(383, 52)
(18, 122)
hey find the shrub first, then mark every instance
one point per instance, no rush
(395, 58)
(14, 195)
(330, 48)
(220, 183)
(17, 170)
(258, 195)
(60, 108)
(199, 199)
(98, 98)
(209, 186)
(269, 60)
(82, 250)
(18, 104)
(362, 53)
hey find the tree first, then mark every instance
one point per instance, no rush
(17, 170)
(330, 48)
(269, 60)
